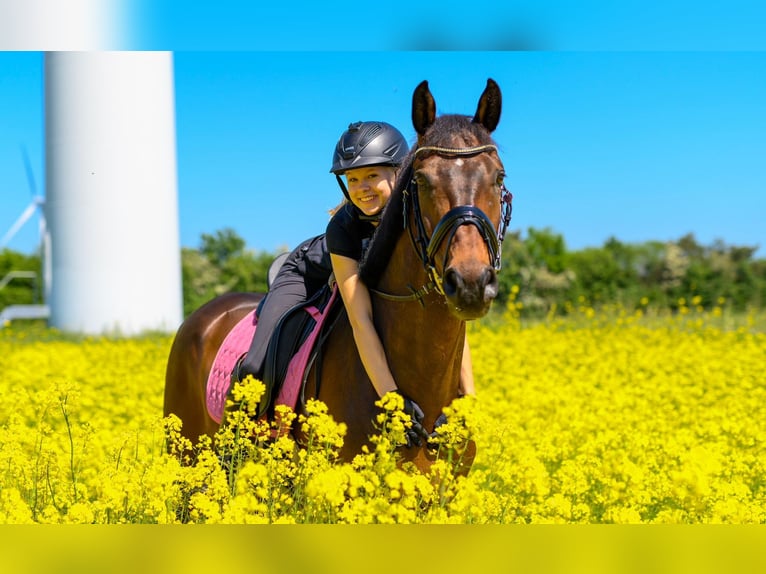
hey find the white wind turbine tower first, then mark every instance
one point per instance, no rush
(109, 221)
(111, 192)
(36, 311)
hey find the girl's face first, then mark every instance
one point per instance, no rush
(370, 187)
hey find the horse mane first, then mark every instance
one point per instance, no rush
(389, 229)
(449, 130)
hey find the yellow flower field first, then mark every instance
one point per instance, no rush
(598, 418)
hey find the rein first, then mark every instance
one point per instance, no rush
(447, 227)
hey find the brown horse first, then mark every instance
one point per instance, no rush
(440, 274)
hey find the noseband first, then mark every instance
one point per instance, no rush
(447, 227)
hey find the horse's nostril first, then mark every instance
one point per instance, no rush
(453, 282)
(490, 284)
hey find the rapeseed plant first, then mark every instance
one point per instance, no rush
(605, 416)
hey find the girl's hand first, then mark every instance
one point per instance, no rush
(416, 434)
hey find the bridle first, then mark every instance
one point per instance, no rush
(447, 227)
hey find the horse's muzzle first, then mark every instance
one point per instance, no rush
(470, 294)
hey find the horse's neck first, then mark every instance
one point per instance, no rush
(423, 342)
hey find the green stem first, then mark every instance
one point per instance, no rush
(71, 446)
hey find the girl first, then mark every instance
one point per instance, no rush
(368, 154)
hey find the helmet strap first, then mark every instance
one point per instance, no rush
(342, 186)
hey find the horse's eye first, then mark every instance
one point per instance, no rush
(500, 179)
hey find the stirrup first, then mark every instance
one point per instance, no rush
(234, 378)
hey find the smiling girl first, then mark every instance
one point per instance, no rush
(368, 154)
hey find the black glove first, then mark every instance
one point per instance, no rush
(416, 434)
(439, 422)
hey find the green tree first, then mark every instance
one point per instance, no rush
(219, 247)
(20, 290)
(537, 265)
(222, 264)
(597, 275)
(547, 249)
(515, 259)
(200, 279)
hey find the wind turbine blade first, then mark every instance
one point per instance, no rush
(30, 173)
(26, 214)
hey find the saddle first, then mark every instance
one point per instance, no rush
(294, 345)
(292, 331)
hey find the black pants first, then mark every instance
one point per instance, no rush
(306, 270)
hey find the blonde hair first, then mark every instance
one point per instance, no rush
(338, 207)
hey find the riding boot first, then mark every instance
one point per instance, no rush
(233, 379)
(237, 376)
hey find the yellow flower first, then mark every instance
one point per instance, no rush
(609, 416)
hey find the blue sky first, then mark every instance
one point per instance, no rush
(615, 139)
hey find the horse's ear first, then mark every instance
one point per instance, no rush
(423, 108)
(488, 111)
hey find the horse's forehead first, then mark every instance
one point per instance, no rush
(448, 170)
(466, 166)
(463, 138)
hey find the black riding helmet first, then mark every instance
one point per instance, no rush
(365, 144)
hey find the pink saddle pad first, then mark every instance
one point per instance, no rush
(236, 344)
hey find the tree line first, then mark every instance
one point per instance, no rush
(666, 274)
(539, 273)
